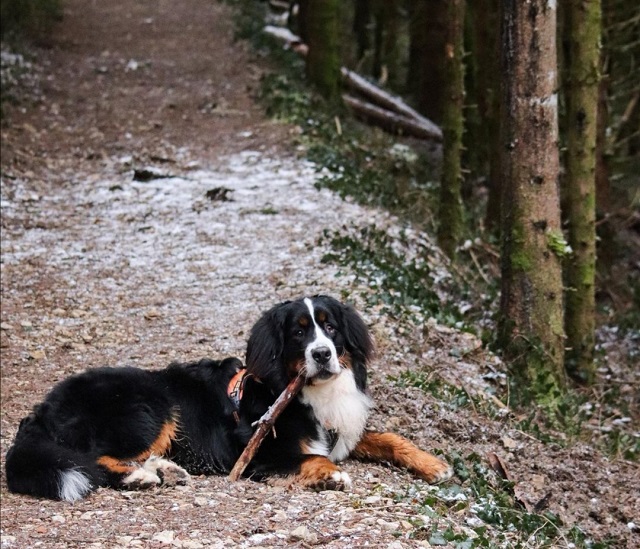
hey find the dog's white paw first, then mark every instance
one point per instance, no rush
(141, 479)
(168, 472)
(342, 481)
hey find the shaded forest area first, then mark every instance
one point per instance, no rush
(536, 179)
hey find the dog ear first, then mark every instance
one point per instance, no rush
(358, 342)
(356, 334)
(265, 347)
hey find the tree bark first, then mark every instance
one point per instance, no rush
(581, 91)
(303, 19)
(323, 60)
(361, 19)
(427, 28)
(450, 214)
(487, 66)
(386, 52)
(531, 310)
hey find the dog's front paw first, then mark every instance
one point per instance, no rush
(339, 480)
(318, 473)
(141, 479)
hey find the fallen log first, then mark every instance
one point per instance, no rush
(387, 101)
(265, 424)
(291, 40)
(390, 121)
(381, 111)
(283, 34)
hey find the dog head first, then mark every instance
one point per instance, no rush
(318, 336)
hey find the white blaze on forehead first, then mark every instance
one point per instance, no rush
(321, 340)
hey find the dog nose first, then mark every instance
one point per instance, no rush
(321, 355)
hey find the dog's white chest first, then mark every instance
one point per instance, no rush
(339, 406)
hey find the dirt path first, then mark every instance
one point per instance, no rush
(98, 268)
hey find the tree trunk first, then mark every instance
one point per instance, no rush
(361, 18)
(302, 21)
(603, 187)
(378, 29)
(386, 52)
(450, 214)
(323, 59)
(425, 79)
(584, 19)
(531, 314)
(486, 30)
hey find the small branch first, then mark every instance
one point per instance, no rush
(265, 424)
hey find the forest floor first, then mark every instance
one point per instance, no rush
(101, 267)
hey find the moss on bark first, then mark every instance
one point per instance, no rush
(584, 28)
(450, 215)
(531, 309)
(323, 60)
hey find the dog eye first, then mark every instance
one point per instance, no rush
(299, 333)
(329, 329)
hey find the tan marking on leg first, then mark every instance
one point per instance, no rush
(159, 448)
(399, 451)
(115, 465)
(162, 444)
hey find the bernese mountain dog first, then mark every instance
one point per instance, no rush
(131, 428)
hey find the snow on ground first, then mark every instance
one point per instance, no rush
(249, 244)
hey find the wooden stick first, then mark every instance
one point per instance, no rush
(265, 423)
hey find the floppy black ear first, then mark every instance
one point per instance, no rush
(356, 333)
(357, 341)
(265, 347)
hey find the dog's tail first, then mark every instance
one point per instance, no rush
(38, 466)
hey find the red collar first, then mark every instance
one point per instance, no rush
(236, 386)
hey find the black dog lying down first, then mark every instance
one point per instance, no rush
(132, 428)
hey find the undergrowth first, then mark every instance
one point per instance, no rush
(483, 510)
(406, 276)
(602, 422)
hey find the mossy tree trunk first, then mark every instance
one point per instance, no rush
(323, 59)
(531, 327)
(450, 214)
(581, 91)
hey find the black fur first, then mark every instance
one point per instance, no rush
(120, 412)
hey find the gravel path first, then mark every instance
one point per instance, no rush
(149, 214)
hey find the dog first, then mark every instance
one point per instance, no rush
(130, 428)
